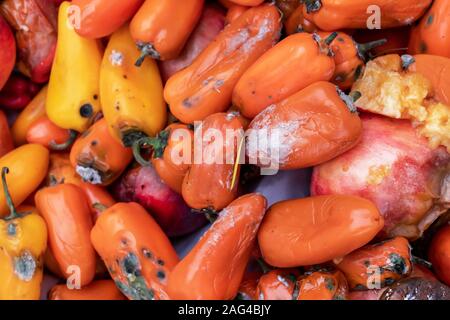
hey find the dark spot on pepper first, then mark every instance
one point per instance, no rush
(25, 266)
(397, 264)
(366, 263)
(95, 96)
(253, 92)
(160, 262)
(329, 284)
(270, 97)
(340, 39)
(86, 110)
(147, 253)
(358, 72)
(388, 281)
(124, 241)
(430, 20)
(187, 103)
(360, 287)
(161, 275)
(12, 228)
(125, 76)
(94, 143)
(422, 47)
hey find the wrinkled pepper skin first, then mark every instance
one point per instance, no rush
(97, 157)
(97, 290)
(439, 254)
(132, 97)
(73, 97)
(431, 35)
(315, 116)
(297, 23)
(8, 52)
(34, 22)
(206, 86)
(349, 58)
(100, 18)
(65, 210)
(321, 285)
(270, 79)
(278, 284)
(208, 183)
(390, 260)
(314, 230)
(234, 12)
(214, 268)
(32, 112)
(331, 15)
(155, 31)
(137, 253)
(21, 180)
(6, 142)
(23, 240)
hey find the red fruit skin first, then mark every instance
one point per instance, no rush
(439, 254)
(7, 52)
(209, 26)
(395, 168)
(143, 185)
(18, 92)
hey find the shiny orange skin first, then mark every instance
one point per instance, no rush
(271, 78)
(234, 12)
(247, 288)
(44, 132)
(439, 254)
(61, 171)
(250, 3)
(432, 34)
(392, 257)
(154, 24)
(321, 285)
(437, 70)
(66, 212)
(214, 268)
(297, 23)
(100, 18)
(98, 150)
(314, 230)
(350, 14)
(32, 112)
(208, 185)
(349, 64)
(278, 284)
(6, 142)
(169, 171)
(315, 116)
(206, 86)
(135, 250)
(97, 290)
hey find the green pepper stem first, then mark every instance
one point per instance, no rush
(99, 206)
(330, 38)
(12, 210)
(65, 145)
(147, 50)
(364, 48)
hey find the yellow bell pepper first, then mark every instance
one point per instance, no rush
(23, 241)
(132, 97)
(73, 90)
(32, 112)
(28, 165)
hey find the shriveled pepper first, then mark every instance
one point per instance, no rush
(132, 97)
(271, 78)
(22, 180)
(377, 265)
(6, 142)
(23, 242)
(97, 157)
(97, 290)
(168, 153)
(65, 210)
(214, 268)
(161, 28)
(73, 97)
(349, 58)
(8, 52)
(322, 285)
(278, 284)
(100, 18)
(32, 112)
(331, 15)
(319, 115)
(17, 92)
(48, 134)
(431, 35)
(137, 253)
(206, 86)
(34, 22)
(209, 182)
